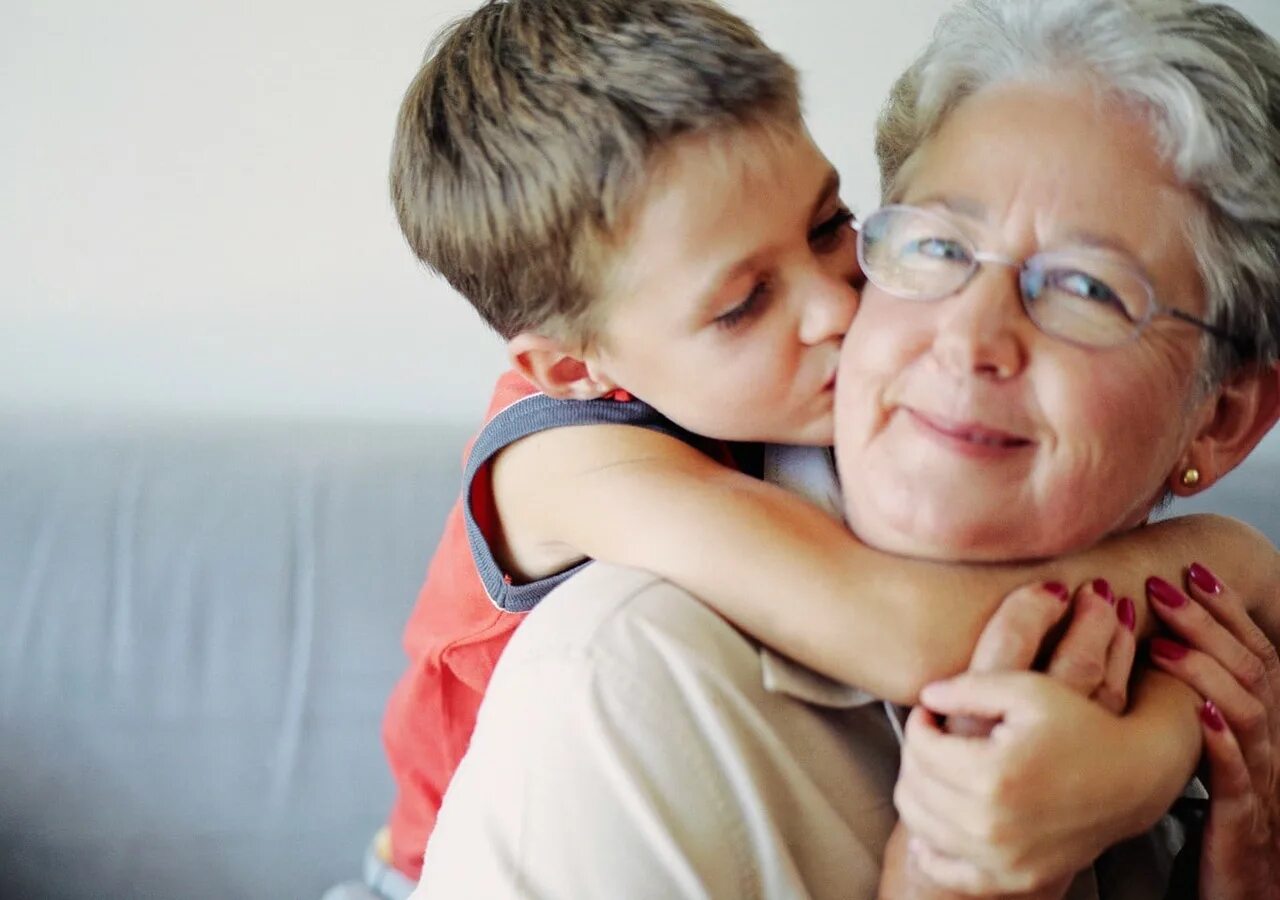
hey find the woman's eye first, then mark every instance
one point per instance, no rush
(744, 311)
(1086, 287)
(937, 248)
(827, 234)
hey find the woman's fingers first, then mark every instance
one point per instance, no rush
(1014, 634)
(953, 872)
(944, 758)
(1087, 657)
(1006, 808)
(944, 802)
(1245, 713)
(935, 810)
(1228, 608)
(1236, 857)
(1113, 693)
(1222, 667)
(1012, 638)
(1227, 767)
(1201, 629)
(1230, 662)
(1080, 660)
(992, 695)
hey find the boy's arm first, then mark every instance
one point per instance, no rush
(784, 571)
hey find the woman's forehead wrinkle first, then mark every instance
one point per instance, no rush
(947, 164)
(956, 204)
(968, 207)
(1112, 244)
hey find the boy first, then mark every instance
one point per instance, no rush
(625, 190)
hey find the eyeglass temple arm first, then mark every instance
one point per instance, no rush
(1239, 342)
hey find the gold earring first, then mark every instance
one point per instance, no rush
(1190, 476)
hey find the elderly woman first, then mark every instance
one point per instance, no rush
(1071, 313)
(1068, 266)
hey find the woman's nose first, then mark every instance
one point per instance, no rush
(828, 309)
(981, 330)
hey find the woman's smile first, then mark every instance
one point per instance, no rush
(969, 438)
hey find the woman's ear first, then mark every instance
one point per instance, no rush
(1234, 419)
(557, 369)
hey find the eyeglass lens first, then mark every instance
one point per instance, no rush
(1081, 295)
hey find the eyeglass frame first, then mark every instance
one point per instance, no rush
(980, 257)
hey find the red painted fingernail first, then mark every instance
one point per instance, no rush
(1204, 579)
(1127, 614)
(1210, 716)
(1058, 589)
(1167, 649)
(1163, 592)
(1103, 590)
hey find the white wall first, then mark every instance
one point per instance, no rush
(194, 198)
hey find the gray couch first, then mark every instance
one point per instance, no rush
(199, 624)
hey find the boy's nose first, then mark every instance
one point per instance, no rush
(828, 311)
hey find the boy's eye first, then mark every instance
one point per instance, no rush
(747, 309)
(826, 235)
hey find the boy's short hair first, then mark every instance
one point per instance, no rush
(524, 140)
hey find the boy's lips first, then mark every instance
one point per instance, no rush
(831, 379)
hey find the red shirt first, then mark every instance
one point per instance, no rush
(467, 611)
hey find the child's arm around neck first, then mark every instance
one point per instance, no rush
(786, 573)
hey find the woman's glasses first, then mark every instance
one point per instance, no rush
(1087, 297)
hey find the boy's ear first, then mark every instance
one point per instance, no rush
(1234, 420)
(558, 370)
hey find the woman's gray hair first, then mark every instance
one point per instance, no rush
(1208, 79)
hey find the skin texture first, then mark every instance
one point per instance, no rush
(1096, 446)
(812, 590)
(948, 785)
(727, 303)
(634, 497)
(1217, 649)
(1093, 658)
(1009, 166)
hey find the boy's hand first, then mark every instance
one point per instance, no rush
(1093, 658)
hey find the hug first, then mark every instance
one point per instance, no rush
(674, 644)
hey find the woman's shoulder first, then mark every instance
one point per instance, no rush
(613, 618)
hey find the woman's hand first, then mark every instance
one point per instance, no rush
(1093, 657)
(1223, 655)
(1004, 814)
(996, 816)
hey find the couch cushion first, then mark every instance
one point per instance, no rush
(199, 627)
